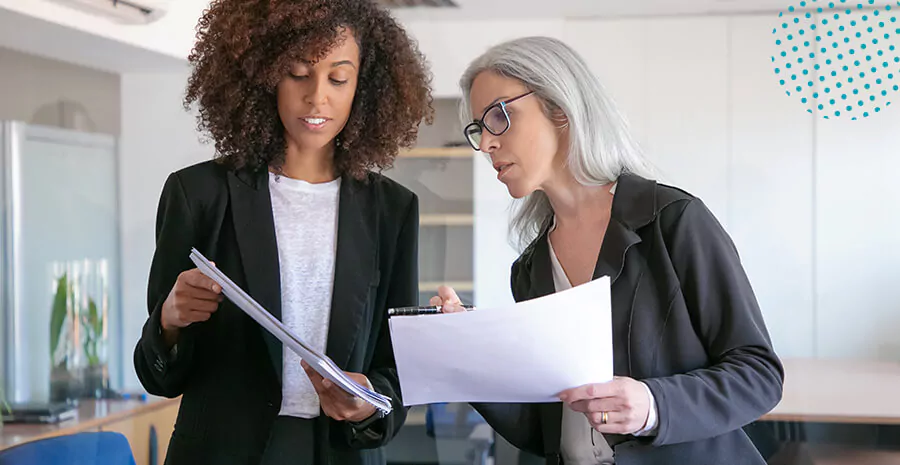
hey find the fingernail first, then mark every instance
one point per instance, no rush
(326, 383)
(216, 288)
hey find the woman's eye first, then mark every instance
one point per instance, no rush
(338, 82)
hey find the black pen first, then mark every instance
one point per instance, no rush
(429, 310)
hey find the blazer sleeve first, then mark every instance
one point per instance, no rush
(162, 371)
(744, 378)
(520, 424)
(403, 291)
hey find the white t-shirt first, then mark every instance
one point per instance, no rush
(306, 220)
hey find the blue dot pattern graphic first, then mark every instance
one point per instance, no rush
(847, 45)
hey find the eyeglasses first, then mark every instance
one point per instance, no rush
(495, 120)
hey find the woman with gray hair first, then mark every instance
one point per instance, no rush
(692, 357)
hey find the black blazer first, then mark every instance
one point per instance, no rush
(685, 322)
(228, 369)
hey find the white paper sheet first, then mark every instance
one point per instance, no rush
(527, 352)
(316, 360)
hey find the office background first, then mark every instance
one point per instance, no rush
(811, 203)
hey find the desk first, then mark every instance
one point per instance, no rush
(132, 418)
(839, 391)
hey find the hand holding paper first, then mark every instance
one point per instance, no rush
(528, 352)
(618, 407)
(337, 403)
(322, 365)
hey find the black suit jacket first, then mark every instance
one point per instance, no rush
(685, 322)
(228, 369)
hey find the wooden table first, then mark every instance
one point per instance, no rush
(133, 418)
(839, 391)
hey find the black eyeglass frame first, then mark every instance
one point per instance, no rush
(479, 125)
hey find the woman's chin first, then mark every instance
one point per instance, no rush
(310, 140)
(517, 191)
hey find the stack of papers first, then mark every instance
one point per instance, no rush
(526, 352)
(316, 360)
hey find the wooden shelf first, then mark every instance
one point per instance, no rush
(446, 220)
(438, 152)
(460, 286)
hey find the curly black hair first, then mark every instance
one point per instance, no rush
(245, 47)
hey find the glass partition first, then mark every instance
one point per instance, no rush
(61, 261)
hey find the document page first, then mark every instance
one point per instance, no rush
(316, 360)
(526, 352)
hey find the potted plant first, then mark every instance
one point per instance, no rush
(77, 334)
(61, 379)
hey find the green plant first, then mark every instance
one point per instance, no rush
(58, 317)
(92, 322)
(5, 404)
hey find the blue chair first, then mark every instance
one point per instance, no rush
(106, 448)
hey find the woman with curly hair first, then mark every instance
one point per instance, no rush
(306, 100)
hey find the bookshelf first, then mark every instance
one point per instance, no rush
(437, 152)
(440, 171)
(446, 220)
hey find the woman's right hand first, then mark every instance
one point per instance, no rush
(447, 300)
(194, 298)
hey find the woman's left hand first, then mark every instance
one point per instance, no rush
(623, 401)
(337, 403)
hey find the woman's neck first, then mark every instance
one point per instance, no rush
(576, 204)
(311, 165)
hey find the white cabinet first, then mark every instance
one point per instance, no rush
(439, 172)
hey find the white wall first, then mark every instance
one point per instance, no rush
(51, 93)
(451, 45)
(172, 35)
(771, 188)
(668, 88)
(158, 137)
(858, 237)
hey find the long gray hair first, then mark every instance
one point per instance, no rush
(600, 147)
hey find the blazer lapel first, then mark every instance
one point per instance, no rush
(616, 241)
(254, 226)
(634, 205)
(355, 266)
